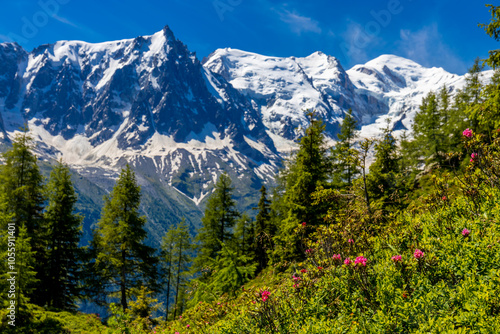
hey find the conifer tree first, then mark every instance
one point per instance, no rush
(64, 231)
(22, 184)
(244, 235)
(309, 169)
(264, 230)
(345, 157)
(218, 221)
(123, 261)
(493, 30)
(177, 248)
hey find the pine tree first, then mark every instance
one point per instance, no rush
(307, 171)
(219, 219)
(493, 30)
(22, 184)
(345, 157)
(123, 261)
(64, 231)
(177, 248)
(264, 231)
(384, 179)
(18, 262)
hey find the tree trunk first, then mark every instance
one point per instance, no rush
(123, 283)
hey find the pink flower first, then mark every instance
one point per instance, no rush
(309, 251)
(467, 133)
(265, 294)
(350, 241)
(319, 268)
(337, 257)
(347, 261)
(295, 278)
(444, 198)
(296, 285)
(187, 326)
(303, 271)
(396, 258)
(304, 224)
(176, 333)
(418, 254)
(473, 157)
(465, 232)
(360, 260)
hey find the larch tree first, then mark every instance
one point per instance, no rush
(123, 262)
(344, 155)
(64, 231)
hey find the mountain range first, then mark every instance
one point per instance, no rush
(180, 122)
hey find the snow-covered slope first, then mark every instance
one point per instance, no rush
(281, 88)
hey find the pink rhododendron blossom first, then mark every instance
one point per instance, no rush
(465, 232)
(303, 271)
(473, 157)
(188, 326)
(396, 258)
(337, 257)
(350, 241)
(319, 268)
(265, 294)
(347, 261)
(418, 254)
(309, 251)
(304, 224)
(467, 133)
(444, 198)
(296, 285)
(295, 278)
(361, 260)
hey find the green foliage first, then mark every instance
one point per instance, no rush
(122, 260)
(177, 248)
(344, 155)
(220, 217)
(264, 230)
(22, 184)
(64, 231)
(493, 30)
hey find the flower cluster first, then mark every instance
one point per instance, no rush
(265, 294)
(361, 260)
(303, 271)
(465, 232)
(304, 224)
(396, 258)
(467, 133)
(337, 257)
(418, 254)
(295, 278)
(350, 241)
(347, 261)
(473, 157)
(309, 251)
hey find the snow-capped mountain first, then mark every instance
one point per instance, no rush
(150, 102)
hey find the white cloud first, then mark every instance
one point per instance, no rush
(426, 47)
(357, 41)
(299, 23)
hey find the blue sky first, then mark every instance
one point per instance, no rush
(440, 33)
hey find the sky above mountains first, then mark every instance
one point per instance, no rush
(441, 33)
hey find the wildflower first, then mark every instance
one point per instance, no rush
(303, 271)
(396, 258)
(444, 198)
(265, 295)
(350, 241)
(309, 251)
(304, 224)
(296, 285)
(180, 317)
(253, 301)
(347, 261)
(467, 133)
(295, 278)
(337, 257)
(473, 157)
(465, 232)
(319, 268)
(418, 254)
(360, 260)
(188, 326)
(176, 333)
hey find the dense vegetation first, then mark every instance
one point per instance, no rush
(410, 244)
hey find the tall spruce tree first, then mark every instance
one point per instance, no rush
(264, 230)
(218, 221)
(22, 184)
(344, 156)
(177, 248)
(493, 30)
(308, 170)
(123, 261)
(64, 231)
